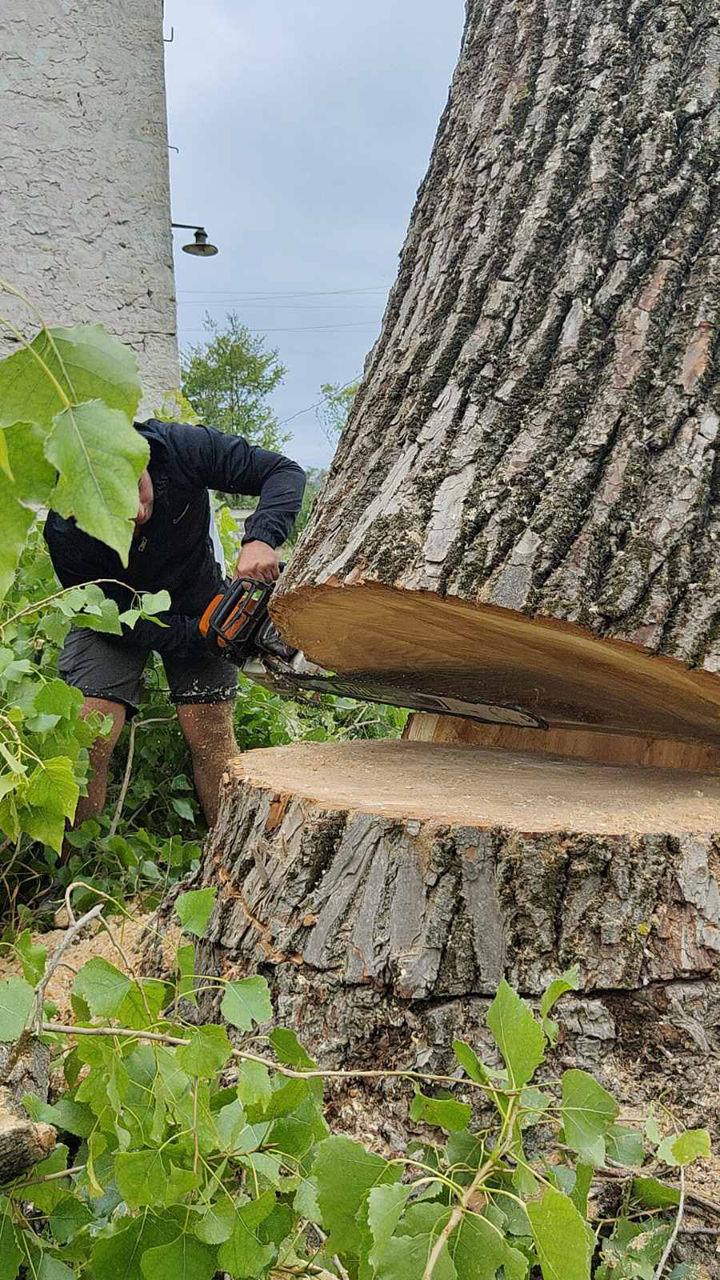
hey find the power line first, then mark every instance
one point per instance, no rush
(282, 306)
(320, 403)
(304, 328)
(259, 294)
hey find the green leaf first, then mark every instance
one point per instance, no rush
(52, 786)
(653, 1194)
(140, 1178)
(51, 1268)
(385, 1207)
(185, 960)
(102, 986)
(99, 456)
(564, 1242)
(217, 1222)
(344, 1173)
(68, 1218)
(65, 1115)
(479, 1250)
(244, 1254)
(247, 1001)
(289, 1051)
(207, 1052)
(447, 1113)
(405, 1258)
(569, 981)
(16, 1002)
(517, 1034)
(184, 810)
(625, 1146)
(32, 956)
(186, 1258)
(693, 1144)
(254, 1086)
(10, 1254)
(49, 1194)
(581, 1190)
(194, 910)
(118, 1256)
(86, 362)
(58, 698)
(32, 483)
(587, 1112)
(470, 1063)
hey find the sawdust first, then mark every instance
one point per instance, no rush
(94, 941)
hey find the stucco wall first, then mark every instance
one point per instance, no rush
(84, 188)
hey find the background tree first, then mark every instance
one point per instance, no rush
(334, 410)
(228, 379)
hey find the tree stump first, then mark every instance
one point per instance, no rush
(384, 889)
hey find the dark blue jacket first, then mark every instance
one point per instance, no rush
(174, 550)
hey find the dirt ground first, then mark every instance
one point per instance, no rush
(95, 941)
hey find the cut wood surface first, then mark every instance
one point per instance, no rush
(486, 789)
(603, 748)
(385, 889)
(555, 671)
(535, 440)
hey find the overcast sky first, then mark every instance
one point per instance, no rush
(304, 128)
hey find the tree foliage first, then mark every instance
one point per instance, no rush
(228, 379)
(189, 1153)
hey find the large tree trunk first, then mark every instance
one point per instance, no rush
(523, 510)
(524, 503)
(386, 888)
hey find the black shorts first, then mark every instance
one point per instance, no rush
(104, 666)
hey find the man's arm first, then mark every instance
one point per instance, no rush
(213, 460)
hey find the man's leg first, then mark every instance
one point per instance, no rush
(92, 805)
(209, 733)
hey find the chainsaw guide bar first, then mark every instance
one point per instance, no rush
(237, 626)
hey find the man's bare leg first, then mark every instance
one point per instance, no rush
(92, 805)
(209, 733)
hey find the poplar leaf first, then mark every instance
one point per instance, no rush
(447, 1113)
(10, 1255)
(194, 910)
(692, 1145)
(84, 360)
(101, 986)
(207, 1052)
(247, 1001)
(16, 1002)
(565, 1244)
(517, 1034)
(32, 956)
(587, 1112)
(344, 1173)
(186, 1258)
(99, 456)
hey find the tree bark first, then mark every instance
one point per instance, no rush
(24, 1069)
(525, 499)
(386, 888)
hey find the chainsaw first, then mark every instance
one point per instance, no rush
(237, 625)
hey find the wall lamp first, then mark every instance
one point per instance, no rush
(199, 247)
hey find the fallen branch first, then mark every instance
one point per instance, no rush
(160, 1037)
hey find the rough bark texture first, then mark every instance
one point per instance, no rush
(383, 939)
(24, 1069)
(537, 426)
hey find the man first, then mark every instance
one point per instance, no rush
(172, 549)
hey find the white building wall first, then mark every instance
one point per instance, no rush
(84, 185)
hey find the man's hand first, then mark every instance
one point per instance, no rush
(258, 560)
